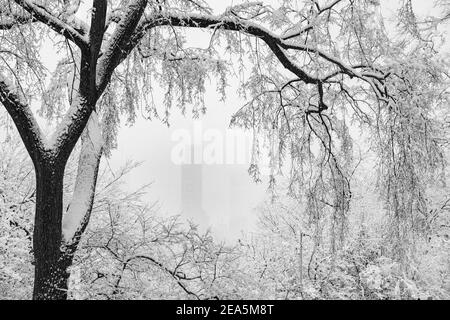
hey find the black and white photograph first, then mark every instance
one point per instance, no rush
(224, 155)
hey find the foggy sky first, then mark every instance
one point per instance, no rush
(229, 196)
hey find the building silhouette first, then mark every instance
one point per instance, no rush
(192, 191)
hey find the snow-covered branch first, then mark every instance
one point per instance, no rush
(8, 21)
(297, 30)
(278, 45)
(113, 52)
(24, 120)
(41, 14)
(97, 27)
(77, 216)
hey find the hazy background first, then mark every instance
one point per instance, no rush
(220, 196)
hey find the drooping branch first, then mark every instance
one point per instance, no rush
(231, 24)
(276, 43)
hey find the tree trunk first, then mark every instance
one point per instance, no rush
(50, 263)
(56, 239)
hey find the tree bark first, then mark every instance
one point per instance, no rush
(50, 263)
(56, 238)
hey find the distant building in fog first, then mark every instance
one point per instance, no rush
(238, 190)
(217, 197)
(192, 192)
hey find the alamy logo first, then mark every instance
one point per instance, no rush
(211, 146)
